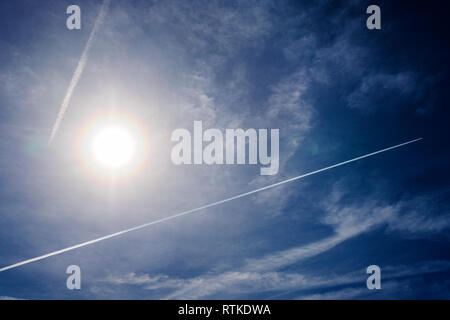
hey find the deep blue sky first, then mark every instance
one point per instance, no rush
(335, 89)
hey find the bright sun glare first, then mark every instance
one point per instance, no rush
(113, 147)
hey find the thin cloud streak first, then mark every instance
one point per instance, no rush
(202, 207)
(79, 70)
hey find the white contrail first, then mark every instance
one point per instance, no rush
(79, 70)
(202, 207)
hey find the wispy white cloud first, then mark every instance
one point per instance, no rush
(261, 274)
(279, 284)
(214, 24)
(9, 298)
(348, 293)
(265, 274)
(397, 282)
(414, 217)
(380, 84)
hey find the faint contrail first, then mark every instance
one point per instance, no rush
(201, 208)
(79, 70)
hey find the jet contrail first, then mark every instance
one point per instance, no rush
(201, 208)
(79, 70)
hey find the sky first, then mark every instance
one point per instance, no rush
(312, 69)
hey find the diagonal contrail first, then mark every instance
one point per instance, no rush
(79, 70)
(201, 208)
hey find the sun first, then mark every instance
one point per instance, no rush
(113, 147)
